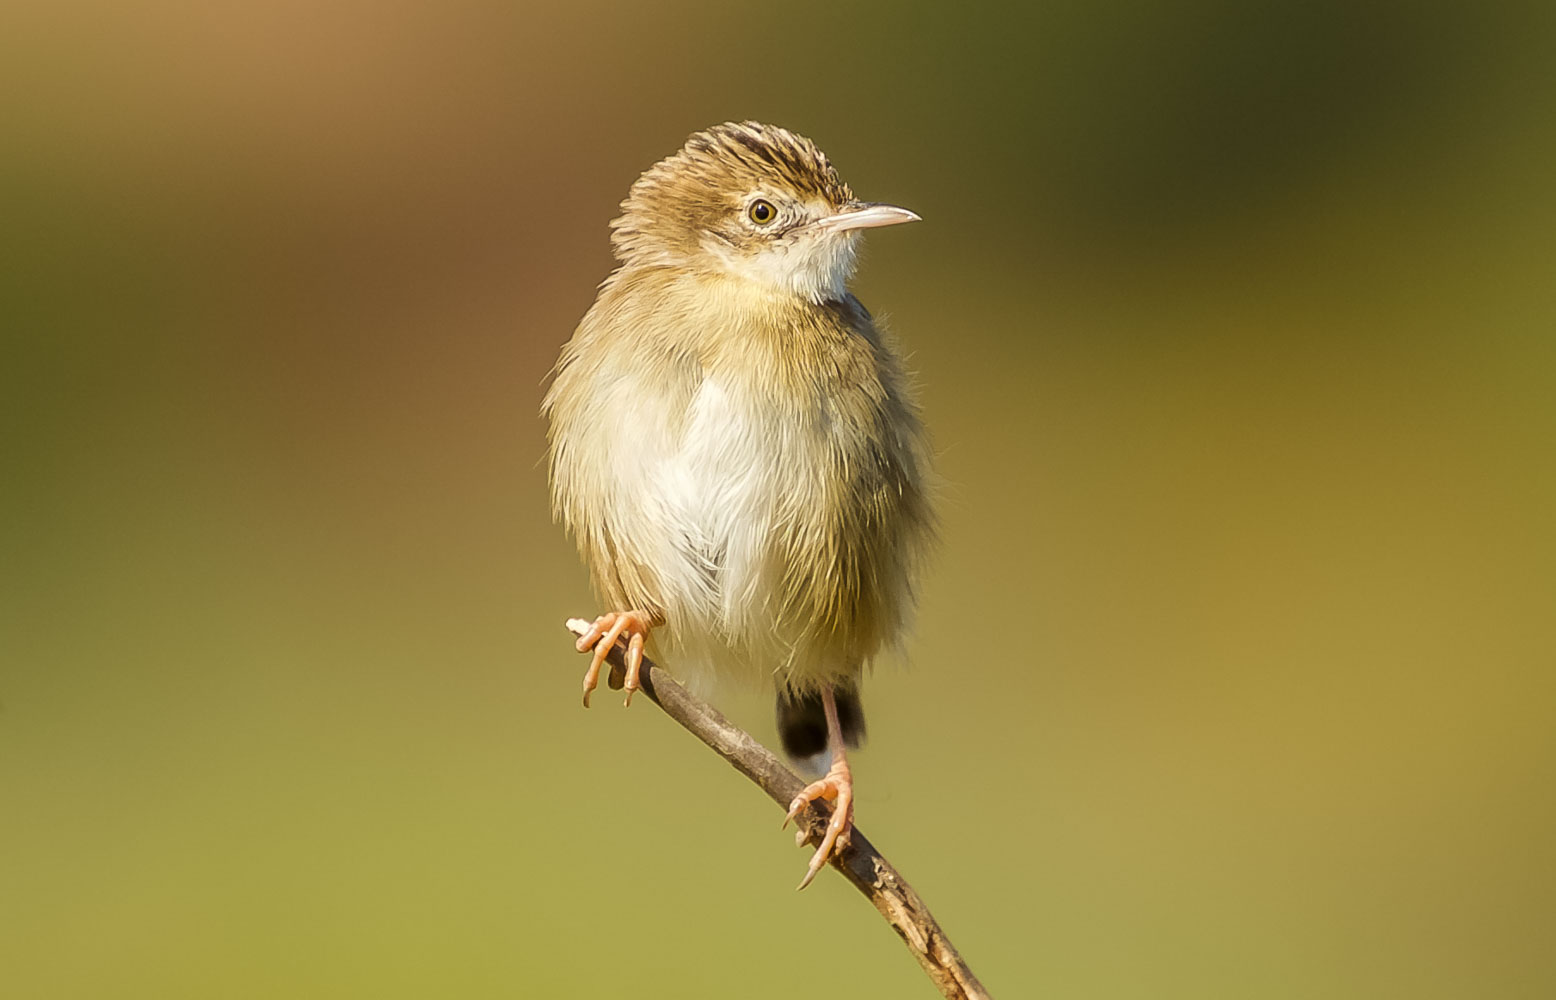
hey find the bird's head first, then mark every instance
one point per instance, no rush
(754, 201)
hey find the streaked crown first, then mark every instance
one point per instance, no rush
(752, 201)
(712, 177)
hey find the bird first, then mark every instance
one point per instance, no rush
(736, 446)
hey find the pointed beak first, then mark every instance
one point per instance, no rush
(865, 215)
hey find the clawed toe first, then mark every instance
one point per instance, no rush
(602, 635)
(838, 788)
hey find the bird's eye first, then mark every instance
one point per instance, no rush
(762, 212)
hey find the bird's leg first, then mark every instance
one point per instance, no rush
(836, 786)
(602, 635)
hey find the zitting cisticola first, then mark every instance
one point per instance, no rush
(734, 444)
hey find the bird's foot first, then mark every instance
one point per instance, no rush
(837, 787)
(602, 635)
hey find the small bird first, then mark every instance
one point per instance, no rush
(736, 448)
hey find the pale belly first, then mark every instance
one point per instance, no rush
(735, 506)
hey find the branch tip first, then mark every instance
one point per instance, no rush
(862, 865)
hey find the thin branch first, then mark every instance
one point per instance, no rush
(861, 864)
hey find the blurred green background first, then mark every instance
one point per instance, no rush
(1234, 675)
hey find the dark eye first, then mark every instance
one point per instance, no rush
(762, 212)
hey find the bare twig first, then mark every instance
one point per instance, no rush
(860, 863)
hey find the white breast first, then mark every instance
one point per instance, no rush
(718, 493)
(721, 499)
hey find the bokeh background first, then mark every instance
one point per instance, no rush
(1233, 677)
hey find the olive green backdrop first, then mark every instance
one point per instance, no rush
(1233, 678)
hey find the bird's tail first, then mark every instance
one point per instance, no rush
(802, 722)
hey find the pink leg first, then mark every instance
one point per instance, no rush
(837, 787)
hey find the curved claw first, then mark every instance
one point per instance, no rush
(836, 787)
(634, 664)
(602, 635)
